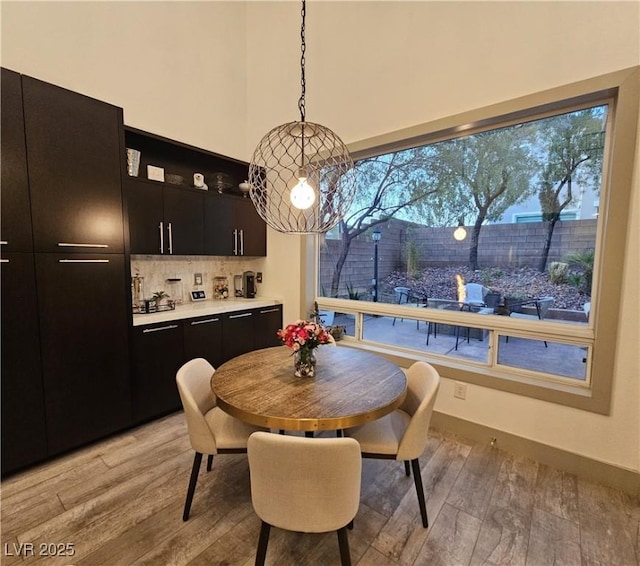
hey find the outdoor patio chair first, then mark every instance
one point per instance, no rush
(403, 295)
(476, 294)
(543, 304)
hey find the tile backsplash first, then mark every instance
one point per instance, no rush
(157, 269)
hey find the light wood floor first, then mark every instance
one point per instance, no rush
(120, 503)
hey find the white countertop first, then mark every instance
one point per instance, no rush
(204, 308)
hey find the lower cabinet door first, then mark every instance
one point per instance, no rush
(24, 438)
(267, 323)
(83, 311)
(238, 337)
(203, 339)
(158, 353)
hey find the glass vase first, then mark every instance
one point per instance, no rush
(304, 362)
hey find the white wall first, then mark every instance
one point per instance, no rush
(372, 67)
(375, 67)
(177, 68)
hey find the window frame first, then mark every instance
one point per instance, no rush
(620, 90)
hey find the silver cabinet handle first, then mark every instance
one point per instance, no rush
(4, 261)
(241, 242)
(235, 242)
(76, 245)
(83, 261)
(161, 229)
(269, 310)
(160, 328)
(170, 229)
(207, 321)
(240, 315)
(3, 242)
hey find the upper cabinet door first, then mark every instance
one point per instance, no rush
(73, 152)
(147, 233)
(16, 210)
(253, 229)
(220, 235)
(184, 219)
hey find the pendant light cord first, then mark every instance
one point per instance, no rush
(303, 48)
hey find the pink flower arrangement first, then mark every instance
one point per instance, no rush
(303, 335)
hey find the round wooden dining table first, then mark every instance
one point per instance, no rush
(350, 388)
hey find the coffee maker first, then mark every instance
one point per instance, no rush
(249, 284)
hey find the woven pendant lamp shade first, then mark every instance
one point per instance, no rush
(289, 152)
(301, 176)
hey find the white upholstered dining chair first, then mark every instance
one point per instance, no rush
(211, 430)
(309, 485)
(402, 434)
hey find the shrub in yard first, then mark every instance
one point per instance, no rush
(558, 272)
(583, 262)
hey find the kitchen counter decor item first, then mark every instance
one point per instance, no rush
(174, 289)
(137, 293)
(151, 306)
(220, 287)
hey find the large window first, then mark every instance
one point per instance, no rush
(436, 261)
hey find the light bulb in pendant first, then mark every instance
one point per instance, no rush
(303, 195)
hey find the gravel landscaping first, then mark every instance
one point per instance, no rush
(523, 282)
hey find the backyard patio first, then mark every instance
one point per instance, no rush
(451, 341)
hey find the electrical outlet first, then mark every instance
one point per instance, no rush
(197, 278)
(259, 277)
(460, 390)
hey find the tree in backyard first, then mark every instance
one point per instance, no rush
(388, 184)
(573, 146)
(485, 174)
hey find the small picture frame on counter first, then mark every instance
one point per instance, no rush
(155, 173)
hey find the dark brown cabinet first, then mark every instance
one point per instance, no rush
(164, 220)
(65, 311)
(181, 220)
(268, 320)
(85, 356)
(238, 337)
(203, 339)
(160, 349)
(24, 439)
(158, 353)
(73, 152)
(233, 227)
(15, 210)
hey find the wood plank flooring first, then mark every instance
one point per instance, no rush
(119, 502)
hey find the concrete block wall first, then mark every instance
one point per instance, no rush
(500, 245)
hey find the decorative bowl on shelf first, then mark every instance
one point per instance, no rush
(174, 179)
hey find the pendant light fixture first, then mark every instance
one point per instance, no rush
(301, 176)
